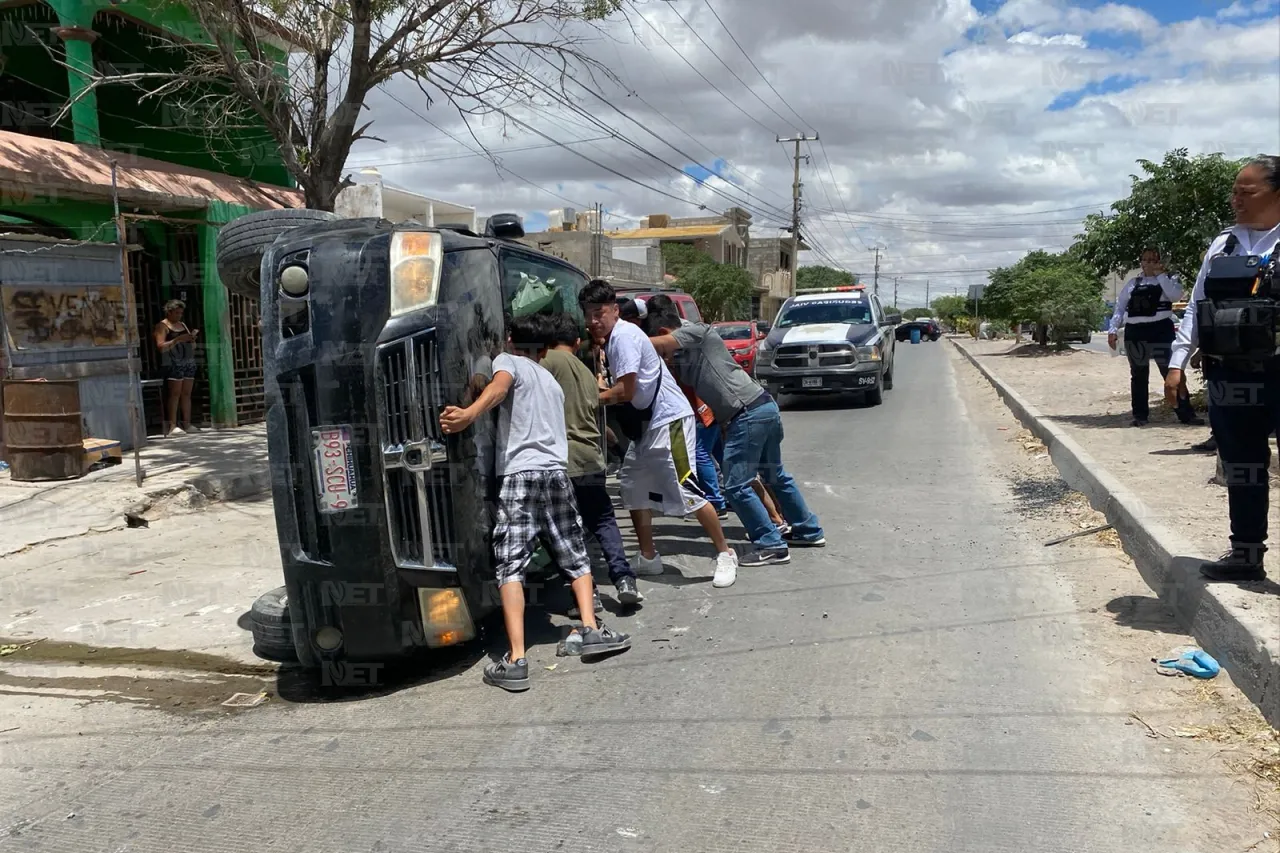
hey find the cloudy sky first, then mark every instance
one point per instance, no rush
(954, 134)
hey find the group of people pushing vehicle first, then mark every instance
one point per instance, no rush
(665, 379)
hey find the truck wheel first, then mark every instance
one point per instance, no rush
(888, 381)
(875, 396)
(272, 628)
(242, 241)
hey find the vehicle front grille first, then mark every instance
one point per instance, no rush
(797, 356)
(419, 496)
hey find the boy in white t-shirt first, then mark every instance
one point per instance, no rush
(657, 473)
(535, 496)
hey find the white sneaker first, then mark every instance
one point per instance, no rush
(726, 570)
(645, 566)
(193, 428)
(175, 431)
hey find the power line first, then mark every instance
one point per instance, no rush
(757, 68)
(699, 37)
(465, 145)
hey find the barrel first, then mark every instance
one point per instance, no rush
(915, 336)
(43, 433)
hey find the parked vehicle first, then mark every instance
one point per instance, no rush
(831, 341)
(743, 341)
(929, 329)
(369, 329)
(685, 303)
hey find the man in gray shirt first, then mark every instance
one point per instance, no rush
(752, 427)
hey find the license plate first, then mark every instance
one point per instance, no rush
(811, 382)
(866, 380)
(335, 469)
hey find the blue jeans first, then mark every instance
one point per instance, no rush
(710, 447)
(753, 445)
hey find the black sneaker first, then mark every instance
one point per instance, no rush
(793, 538)
(1194, 420)
(575, 613)
(1139, 422)
(628, 592)
(601, 640)
(772, 557)
(1236, 566)
(507, 675)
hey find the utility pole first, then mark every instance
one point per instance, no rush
(876, 285)
(926, 293)
(795, 205)
(895, 292)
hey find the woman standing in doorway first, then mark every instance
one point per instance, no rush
(177, 345)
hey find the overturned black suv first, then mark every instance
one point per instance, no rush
(369, 329)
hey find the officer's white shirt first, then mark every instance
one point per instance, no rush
(1172, 292)
(1251, 242)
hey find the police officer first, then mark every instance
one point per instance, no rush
(1145, 307)
(1244, 389)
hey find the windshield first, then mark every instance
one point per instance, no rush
(734, 333)
(533, 285)
(825, 311)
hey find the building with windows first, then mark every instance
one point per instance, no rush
(63, 172)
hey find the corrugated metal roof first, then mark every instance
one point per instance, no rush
(669, 233)
(74, 170)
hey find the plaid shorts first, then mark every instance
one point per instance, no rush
(533, 502)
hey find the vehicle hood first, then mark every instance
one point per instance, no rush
(858, 334)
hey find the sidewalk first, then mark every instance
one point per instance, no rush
(1153, 488)
(182, 472)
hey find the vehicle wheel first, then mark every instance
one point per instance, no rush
(242, 241)
(272, 628)
(887, 382)
(1088, 337)
(875, 396)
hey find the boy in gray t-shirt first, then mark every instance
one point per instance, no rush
(535, 496)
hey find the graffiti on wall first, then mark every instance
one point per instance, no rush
(42, 317)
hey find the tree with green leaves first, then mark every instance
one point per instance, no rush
(1178, 205)
(915, 313)
(722, 291)
(479, 56)
(1057, 291)
(820, 276)
(679, 258)
(949, 309)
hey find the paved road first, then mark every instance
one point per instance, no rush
(919, 686)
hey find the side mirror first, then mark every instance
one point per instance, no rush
(893, 319)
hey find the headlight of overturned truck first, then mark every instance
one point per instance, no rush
(416, 257)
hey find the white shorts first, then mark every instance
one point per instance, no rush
(657, 473)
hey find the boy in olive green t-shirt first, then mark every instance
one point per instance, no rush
(586, 463)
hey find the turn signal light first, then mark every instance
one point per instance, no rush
(446, 620)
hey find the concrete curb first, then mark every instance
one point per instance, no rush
(1213, 613)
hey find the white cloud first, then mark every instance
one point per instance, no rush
(942, 148)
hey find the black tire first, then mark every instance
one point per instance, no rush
(1088, 337)
(875, 396)
(242, 241)
(272, 627)
(888, 381)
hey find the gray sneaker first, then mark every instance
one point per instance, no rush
(602, 641)
(628, 592)
(507, 675)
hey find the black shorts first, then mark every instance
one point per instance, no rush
(176, 372)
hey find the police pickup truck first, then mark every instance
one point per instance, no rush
(833, 340)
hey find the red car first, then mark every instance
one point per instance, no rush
(743, 340)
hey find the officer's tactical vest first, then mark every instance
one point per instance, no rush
(1147, 299)
(1237, 319)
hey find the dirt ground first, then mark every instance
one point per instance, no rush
(1197, 721)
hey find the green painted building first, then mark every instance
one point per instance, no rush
(175, 181)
